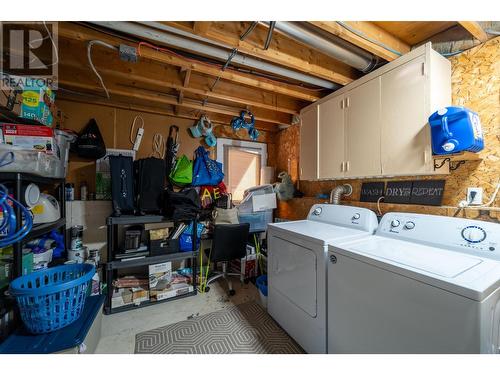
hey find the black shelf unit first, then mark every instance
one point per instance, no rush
(16, 179)
(113, 265)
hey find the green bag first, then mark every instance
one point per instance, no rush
(182, 174)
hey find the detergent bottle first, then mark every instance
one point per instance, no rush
(455, 129)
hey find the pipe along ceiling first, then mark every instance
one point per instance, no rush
(329, 45)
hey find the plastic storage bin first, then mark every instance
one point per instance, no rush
(14, 159)
(261, 284)
(62, 144)
(54, 298)
(258, 220)
(246, 205)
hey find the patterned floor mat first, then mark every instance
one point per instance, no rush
(245, 328)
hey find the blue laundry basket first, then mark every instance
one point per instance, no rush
(54, 298)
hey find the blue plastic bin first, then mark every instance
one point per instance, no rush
(261, 283)
(54, 298)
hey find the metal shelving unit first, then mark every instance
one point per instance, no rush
(17, 179)
(113, 265)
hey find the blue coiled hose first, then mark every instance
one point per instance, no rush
(8, 224)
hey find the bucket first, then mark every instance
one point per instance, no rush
(261, 284)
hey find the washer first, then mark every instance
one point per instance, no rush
(297, 268)
(421, 284)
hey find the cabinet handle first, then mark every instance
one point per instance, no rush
(342, 104)
(423, 68)
(347, 166)
(342, 166)
(348, 102)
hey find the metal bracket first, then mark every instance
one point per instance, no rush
(454, 165)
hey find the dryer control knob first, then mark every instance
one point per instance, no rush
(395, 223)
(356, 216)
(317, 211)
(409, 225)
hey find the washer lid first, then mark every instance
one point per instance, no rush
(470, 276)
(314, 231)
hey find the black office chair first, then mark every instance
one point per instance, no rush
(229, 242)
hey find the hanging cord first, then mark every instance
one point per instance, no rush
(379, 211)
(158, 146)
(132, 140)
(89, 57)
(9, 220)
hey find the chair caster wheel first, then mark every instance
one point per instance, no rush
(232, 292)
(207, 289)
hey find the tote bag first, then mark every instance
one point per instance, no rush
(182, 174)
(206, 171)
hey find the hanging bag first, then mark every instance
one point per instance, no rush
(90, 144)
(182, 174)
(206, 171)
(227, 215)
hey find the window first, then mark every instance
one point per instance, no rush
(242, 163)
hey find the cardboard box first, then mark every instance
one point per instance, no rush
(174, 291)
(160, 276)
(139, 295)
(28, 137)
(121, 297)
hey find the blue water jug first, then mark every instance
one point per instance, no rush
(455, 129)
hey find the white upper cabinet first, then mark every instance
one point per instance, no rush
(309, 144)
(362, 130)
(377, 125)
(331, 159)
(406, 145)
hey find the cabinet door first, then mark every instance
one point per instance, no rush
(309, 144)
(362, 130)
(331, 138)
(405, 133)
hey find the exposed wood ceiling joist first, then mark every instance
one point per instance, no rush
(73, 63)
(83, 34)
(171, 100)
(286, 52)
(371, 31)
(475, 30)
(138, 107)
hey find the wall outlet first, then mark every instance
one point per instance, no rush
(478, 197)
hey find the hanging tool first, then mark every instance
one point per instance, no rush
(171, 152)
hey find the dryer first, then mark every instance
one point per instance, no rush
(297, 268)
(421, 284)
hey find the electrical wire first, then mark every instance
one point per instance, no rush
(365, 37)
(158, 146)
(380, 44)
(132, 140)
(9, 220)
(89, 58)
(56, 52)
(220, 65)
